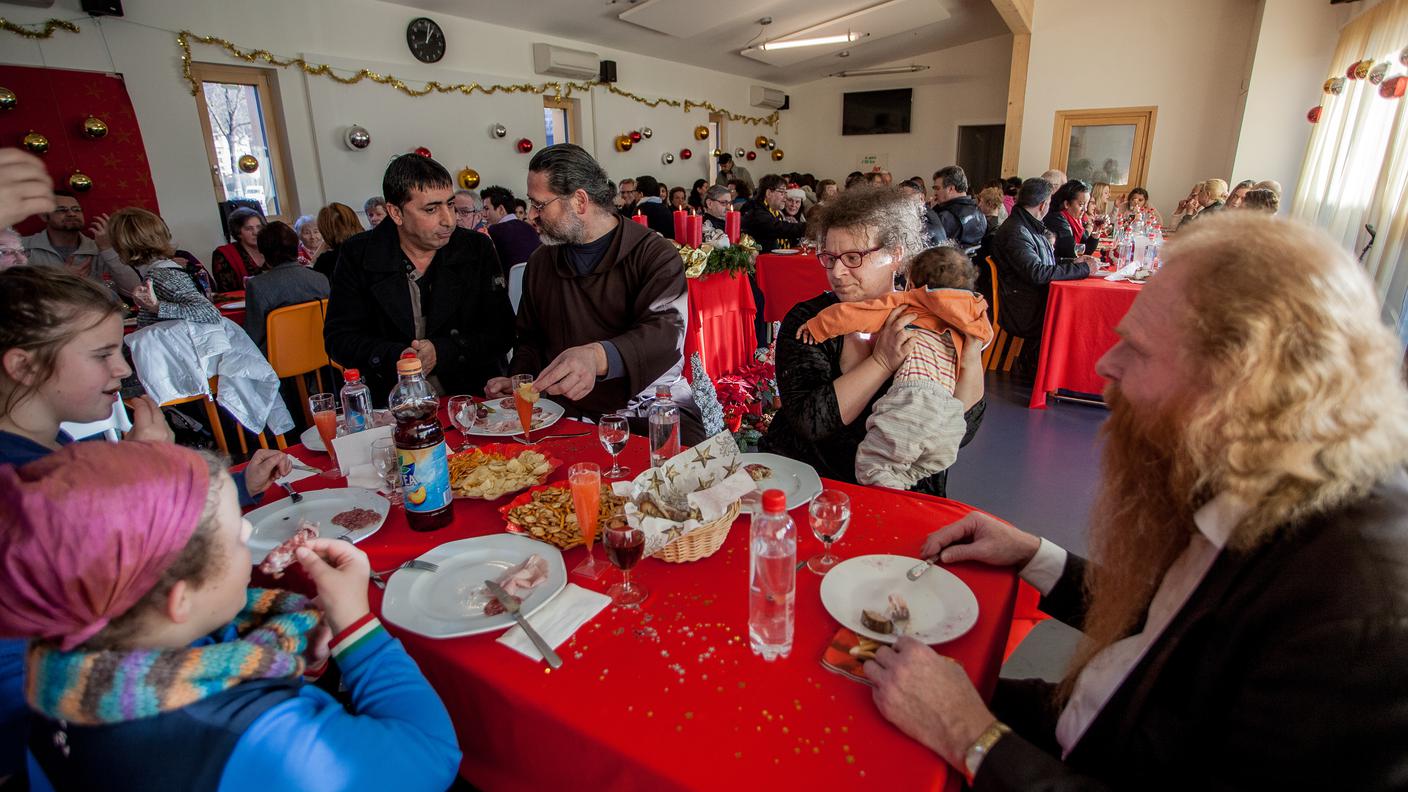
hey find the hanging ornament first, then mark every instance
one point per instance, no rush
(772, 144)
(36, 143)
(667, 159)
(79, 182)
(1314, 115)
(1349, 72)
(1334, 86)
(635, 136)
(752, 155)
(248, 163)
(761, 142)
(686, 153)
(1361, 69)
(8, 100)
(701, 132)
(498, 131)
(357, 137)
(524, 145)
(467, 178)
(1402, 58)
(777, 155)
(718, 152)
(647, 133)
(624, 143)
(1378, 72)
(738, 152)
(1393, 87)
(421, 151)
(94, 128)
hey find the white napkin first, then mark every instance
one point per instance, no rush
(356, 448)
(556, 621)
(297, 474)
(365, 476)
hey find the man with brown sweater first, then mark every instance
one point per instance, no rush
(602, 318)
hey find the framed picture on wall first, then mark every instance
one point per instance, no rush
(1104, 145)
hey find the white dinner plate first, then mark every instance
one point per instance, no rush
(311, 440)
(276, 522)
(798, 479)
(450, 602)
(230, 306)
(941, 607)
(503, 417)
(786, 252)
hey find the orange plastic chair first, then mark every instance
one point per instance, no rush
(1004, 349)
(211, 413)
(295, 341)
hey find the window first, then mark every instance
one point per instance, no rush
(1109, 146)
(559, 121)
(240, 115)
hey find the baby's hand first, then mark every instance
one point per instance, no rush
(805, 335)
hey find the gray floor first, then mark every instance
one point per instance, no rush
(1036, 469)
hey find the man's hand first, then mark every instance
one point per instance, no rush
(573, 374)
(25, 186)
(264, 466)
(981, 537)
(100, 232)
(148, 422)
(893, 342)
(928, 697)
(498, 386)
(1090, 262)
(340, 571)
(425, 352)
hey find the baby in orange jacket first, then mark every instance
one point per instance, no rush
(915, 429)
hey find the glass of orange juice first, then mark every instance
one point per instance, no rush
(325, 418)
(524, 397)
(585, 480)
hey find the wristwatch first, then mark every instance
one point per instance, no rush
(973, 758)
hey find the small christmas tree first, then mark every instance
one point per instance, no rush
(706, 397)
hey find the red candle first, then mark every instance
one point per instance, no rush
(640, 218)
(733, 225)
(681, 227)
(696, 230)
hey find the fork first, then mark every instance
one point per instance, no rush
(379, 578)
(296, 497)
(537, 440)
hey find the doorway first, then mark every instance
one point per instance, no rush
(980, 153)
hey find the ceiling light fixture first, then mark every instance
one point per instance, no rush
(841, 38)
(910, 69)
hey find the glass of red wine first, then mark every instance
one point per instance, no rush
(624, 547)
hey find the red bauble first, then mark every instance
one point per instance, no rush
(635, 137)
(422, 151)
(752, 155)
(1393, 87)
(1350, 71)
(1314, 115)
(524, 145)
(686, 153)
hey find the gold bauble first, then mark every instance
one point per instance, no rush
(718, 152)
(701, 132)
(249, 163)
(94, 128)
(624, 143)
(761, 141)
(8, 100)
(36, 143)
(468, 178)
(79, 182)
(776, 155)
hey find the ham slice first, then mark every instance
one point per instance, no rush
(281, 557)
(519, 581)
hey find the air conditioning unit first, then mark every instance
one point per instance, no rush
(563, 62)
(771, 98)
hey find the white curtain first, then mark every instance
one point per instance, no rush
(1356, 163)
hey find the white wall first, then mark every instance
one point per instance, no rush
(1187, 58)
(1294, 43)
(367, 33)
(965, 85)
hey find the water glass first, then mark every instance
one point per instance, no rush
(614, 433)
(387, 462)
(462, 417)
(830, 514)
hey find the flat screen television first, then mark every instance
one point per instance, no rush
(876, 112)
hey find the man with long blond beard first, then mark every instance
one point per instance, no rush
(1245, 612)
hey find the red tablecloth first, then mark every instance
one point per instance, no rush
(720, 328)
(234, 314)
(788, 280)
(1080, 327)
(669, 696)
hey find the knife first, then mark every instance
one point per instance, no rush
(511, 604)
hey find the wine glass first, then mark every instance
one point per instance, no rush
(585, 480)
(462, 416)
(614, 433)
(830, 514)
(1080, 250)
(523, 399)
(387, 461)
(624, 547)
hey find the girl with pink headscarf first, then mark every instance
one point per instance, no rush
(152, 665)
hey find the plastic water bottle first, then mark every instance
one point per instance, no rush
(664, 419)
(772, 578)
(356, 402)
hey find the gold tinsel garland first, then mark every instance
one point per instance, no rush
(29, 31)
(558, 90)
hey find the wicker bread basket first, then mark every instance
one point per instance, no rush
(700, 543)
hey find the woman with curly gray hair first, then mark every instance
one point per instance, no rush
(865, 236)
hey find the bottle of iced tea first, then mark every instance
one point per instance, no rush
(420, 444)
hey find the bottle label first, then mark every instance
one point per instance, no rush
(425, 476)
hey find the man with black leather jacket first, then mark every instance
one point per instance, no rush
(958, 213)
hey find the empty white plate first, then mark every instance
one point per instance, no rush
(275, 523)
(941, 607)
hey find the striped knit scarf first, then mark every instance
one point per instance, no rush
(107, 686)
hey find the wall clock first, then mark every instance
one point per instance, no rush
(425, 39)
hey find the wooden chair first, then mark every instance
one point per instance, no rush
(295, 340)
(1004, 349)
